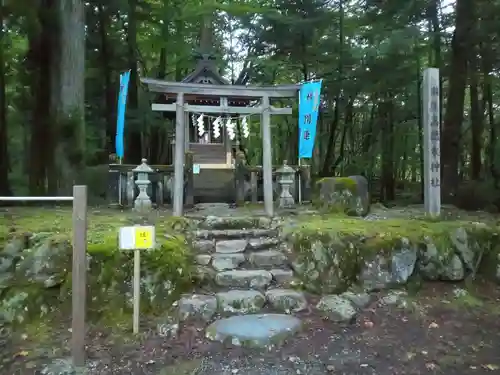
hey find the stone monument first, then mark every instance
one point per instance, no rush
(285, 177)
(143, 203)
(432, 154)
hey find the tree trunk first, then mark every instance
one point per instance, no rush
(158, 134)
(133, 152)
(69, 103)
(387, 184)
(330, 148)
(39, 63)
(453, 118)
(109, 89)
(476, 110)
(4, 137)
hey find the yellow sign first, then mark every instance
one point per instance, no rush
(144, 238)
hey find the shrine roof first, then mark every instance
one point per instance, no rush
(241, 91)
(205, 72)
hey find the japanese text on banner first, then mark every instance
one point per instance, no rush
(120, 120)
(309, 100)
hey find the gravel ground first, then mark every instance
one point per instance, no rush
(435, 332)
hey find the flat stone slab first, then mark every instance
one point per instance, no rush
(235, 233)
(258, 331)
(263, 243)
(204, 246)
(283, 277)
(240, 301)
(221, 262)
(257, 279)
(286, 300)
(235, 222)
(211, 206)
(203, 259)
(267, 258)
(231, 246)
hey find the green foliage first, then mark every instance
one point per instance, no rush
(167, 270)
(366, 53)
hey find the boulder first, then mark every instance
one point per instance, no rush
(381, 270)
(337, 308)
(344, 194)
(326, 265)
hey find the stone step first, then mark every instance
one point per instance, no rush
(223, 247)
(263, 243)
(230, 261)
(266, 258)
(286, 300)
(232, 222)
(240, 301)
(235, 245)
(281, 273)
(231, 246)
(255, 279)
(256, 233)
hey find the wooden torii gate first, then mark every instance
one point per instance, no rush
(264, 93)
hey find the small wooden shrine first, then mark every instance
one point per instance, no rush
(206, 92)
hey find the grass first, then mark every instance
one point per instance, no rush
(413, 229)
(101, 223)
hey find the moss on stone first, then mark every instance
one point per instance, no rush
(329, 250)
(341, 183)
(381, 235)
(166, 270)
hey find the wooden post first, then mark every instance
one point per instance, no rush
(130, 189)
(254, 185)
(267, 159)
(305, 182)
(159, 189)
(79, 275)
(432, 166)
(179, 157)
(239, 178)
(190, 179)
(136, 290)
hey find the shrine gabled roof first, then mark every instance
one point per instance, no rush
(205, 72)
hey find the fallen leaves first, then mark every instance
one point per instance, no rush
(491, 367)
(22, 353)
(368, 324)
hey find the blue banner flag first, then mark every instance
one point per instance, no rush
(120, 118)
(309, 100)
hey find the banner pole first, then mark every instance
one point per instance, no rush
(300, 184)
(120, 184)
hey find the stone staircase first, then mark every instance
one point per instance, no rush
(250, 273)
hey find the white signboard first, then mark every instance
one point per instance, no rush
(136, 238)
(196, 168)
(432, 153)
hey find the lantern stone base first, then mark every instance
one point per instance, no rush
(286, 200)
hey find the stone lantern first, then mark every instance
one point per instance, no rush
(143, 203)
(285, 177)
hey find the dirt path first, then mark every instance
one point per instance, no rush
(443, 330)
